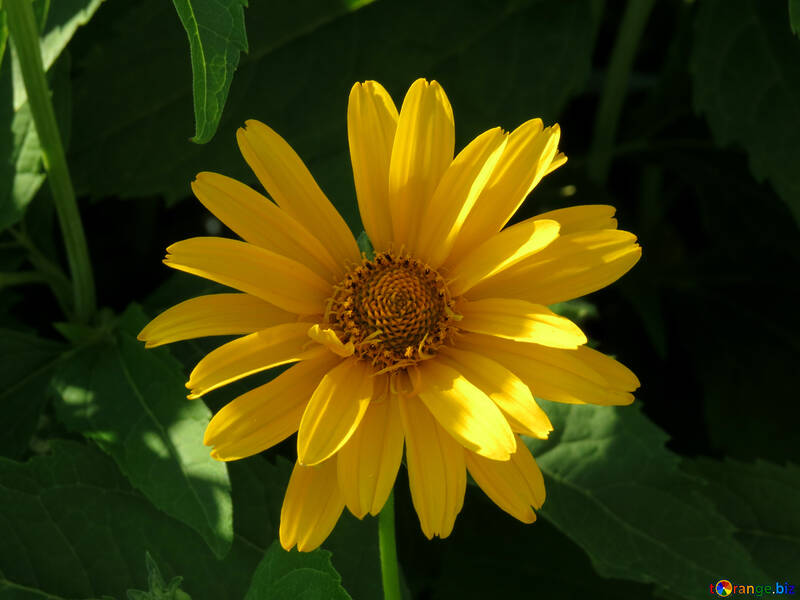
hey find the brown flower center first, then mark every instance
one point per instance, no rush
(395, 310)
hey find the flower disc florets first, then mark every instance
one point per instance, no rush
(395, 310)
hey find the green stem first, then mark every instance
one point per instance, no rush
(390, 572)
(616, 84)
(25, 36)
(20, 278)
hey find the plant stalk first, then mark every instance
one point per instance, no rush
(25, 37)
(390, 571)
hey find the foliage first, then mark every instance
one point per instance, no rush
(105, 487)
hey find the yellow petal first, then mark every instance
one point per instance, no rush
(521, 321)
(574, 265)
(501, 252)
(215, 314)
(582, 218)
(334, 411)
(371, 125)
(279, 280)
(515, 485)
(259, 221)
(369, 461)
(250, 354)
(571, 376)
(311, 507)
(525, 160)
(422, 151)
(268, 414)
(611, 370)
(329, 339)
(559, 160)
(467, 413)
(508, 392)
(289, 183)
(436, 473)
(456, 194)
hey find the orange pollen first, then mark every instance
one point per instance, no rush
(395, 310)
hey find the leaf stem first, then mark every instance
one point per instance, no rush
(619, 68)
(390, 572)
(25, 36)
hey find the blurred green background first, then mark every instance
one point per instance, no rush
(683, 115)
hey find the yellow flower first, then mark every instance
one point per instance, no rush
(437, 343)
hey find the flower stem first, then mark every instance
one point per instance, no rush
(25, 36)
(390, 573)
(619, 68)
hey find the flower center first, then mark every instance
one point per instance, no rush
(395, 310)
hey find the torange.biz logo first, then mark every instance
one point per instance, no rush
(725, 588)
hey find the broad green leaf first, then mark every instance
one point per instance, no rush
(761, 500)
(746, 70)
(258, 489)
(307, 575)
(25, 373)
(132, 402)
(614, 489)
(61, 20)
(794, 16)
(304, 58)
(354, 545)
(525, 561)
(216, 37)
(73, 527)
(21, 173)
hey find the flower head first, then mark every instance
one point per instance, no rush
(437, 342)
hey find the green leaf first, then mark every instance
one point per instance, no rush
(73, 526)
(794, 16)
(132, 402)
(306, 575)
(365, 246)
(746, 70)
(216, 37)
(23, 385)
(3, 35)
(761, 500)
(616, 491)
(354, 545)
(21, 173)
(525, 561)
(258, 489)
(297, 78)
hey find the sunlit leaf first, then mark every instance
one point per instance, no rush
(73, 527)
(3, 35)
(216, 37)
(21, 172)
(132, 401)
